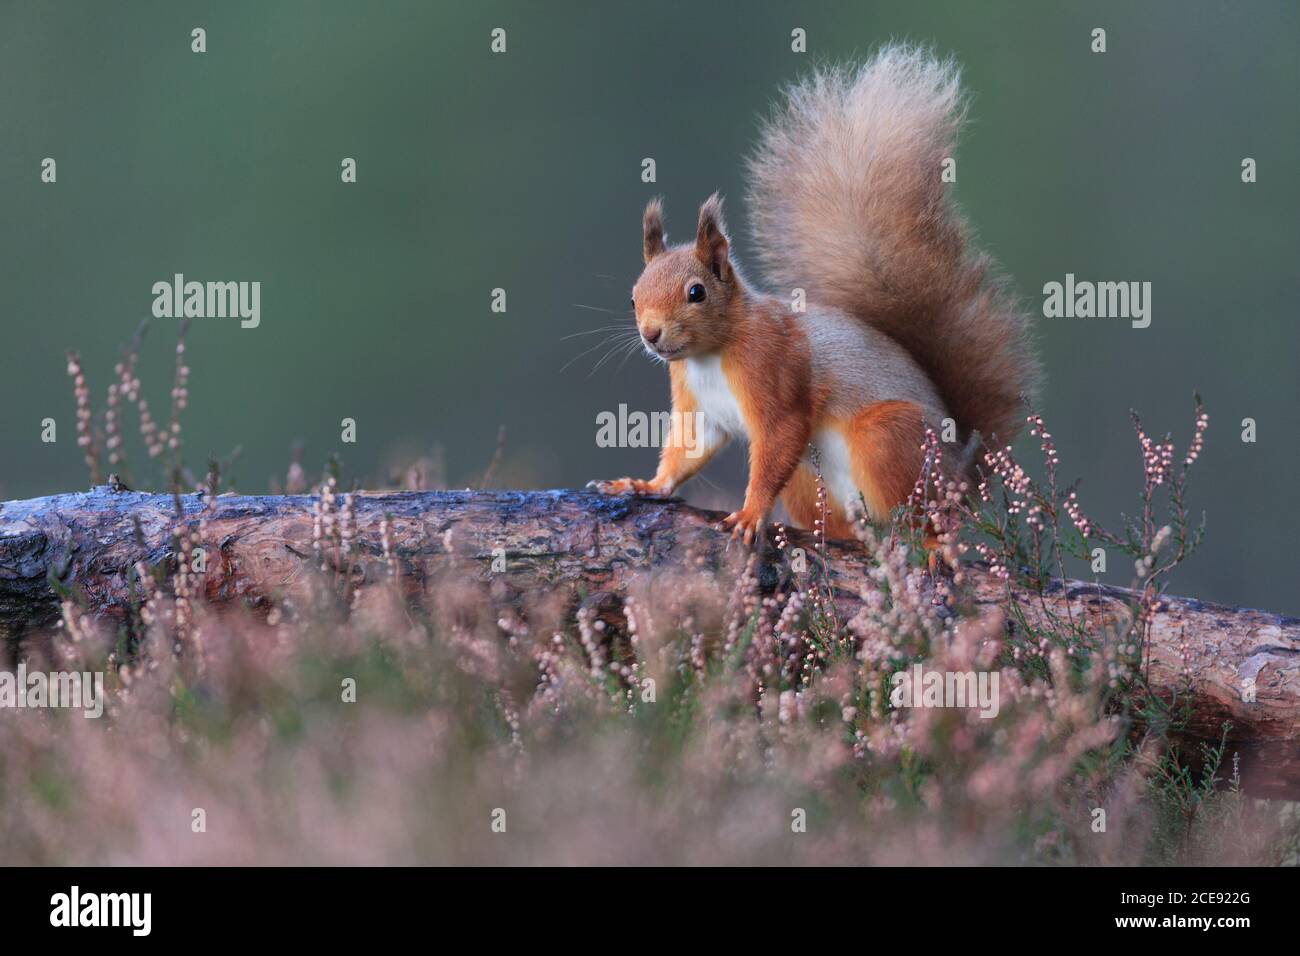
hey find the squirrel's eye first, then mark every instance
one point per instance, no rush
(695, 293)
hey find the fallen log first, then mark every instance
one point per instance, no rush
(1238, 664)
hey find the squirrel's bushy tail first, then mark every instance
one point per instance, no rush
(848, 203)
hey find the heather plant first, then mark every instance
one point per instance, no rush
(700, 716)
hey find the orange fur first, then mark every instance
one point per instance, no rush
(767, 368)
(800, 497)
(675, 465)
(800, 500)
(885, 441)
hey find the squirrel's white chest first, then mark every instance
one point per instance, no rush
(708, 383)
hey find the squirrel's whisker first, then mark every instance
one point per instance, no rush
(596, 308)
(601, 344)
(617, 349)
(604, 328)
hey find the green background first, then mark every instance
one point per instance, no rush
(523, 171)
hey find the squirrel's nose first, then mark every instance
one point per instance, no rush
(652, 335)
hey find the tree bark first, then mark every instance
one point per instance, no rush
(561, 541)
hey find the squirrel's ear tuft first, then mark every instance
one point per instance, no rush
(711, 244)
(652, 229)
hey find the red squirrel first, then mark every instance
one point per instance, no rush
(903, 326)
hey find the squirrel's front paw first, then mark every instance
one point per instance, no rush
(743, 524)
(624, 486)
